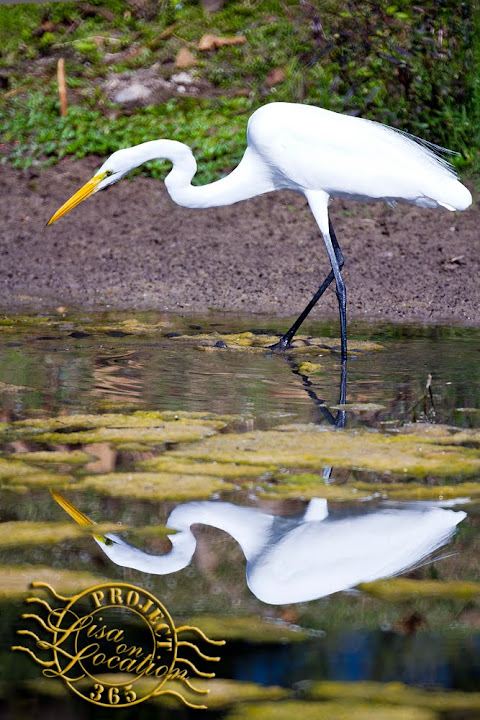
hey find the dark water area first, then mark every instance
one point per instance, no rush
(242, 536)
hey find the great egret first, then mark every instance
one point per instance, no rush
(313, 151)
(296, 559)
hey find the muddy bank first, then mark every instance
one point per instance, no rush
(131, 247)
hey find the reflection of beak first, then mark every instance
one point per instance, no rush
(79, 196)
(76, 514)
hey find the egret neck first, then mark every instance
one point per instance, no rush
(248, 179)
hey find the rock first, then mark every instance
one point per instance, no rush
(182, 78)
(133, 93)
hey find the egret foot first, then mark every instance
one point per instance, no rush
(283, 344)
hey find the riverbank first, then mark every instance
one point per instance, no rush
(133, 248)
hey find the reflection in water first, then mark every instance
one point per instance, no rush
(299, 559)
(114, 377)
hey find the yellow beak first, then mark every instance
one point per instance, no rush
(79, 196)
(76, 514)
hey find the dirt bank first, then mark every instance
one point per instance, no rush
(131, 247)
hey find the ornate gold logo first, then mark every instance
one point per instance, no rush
(116, 645)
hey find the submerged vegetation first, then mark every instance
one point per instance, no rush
(201, 74)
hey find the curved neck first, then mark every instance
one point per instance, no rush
(248, 179)
(250, 527)
(126, 555)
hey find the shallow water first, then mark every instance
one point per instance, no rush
(281, 542)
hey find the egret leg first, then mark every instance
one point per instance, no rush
(341, 294)
(285, 341)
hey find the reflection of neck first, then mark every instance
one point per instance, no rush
(248, 526)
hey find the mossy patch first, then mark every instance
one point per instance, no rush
(130, 326)
(132, 438)
(15, 579)
(395, 693)
(308, 446)
(138, 429)
(399, 589)
(165, 463)
(137, 419)
(225, 693)
(17, 472)
(155, 486)
(54, 457)
(309, 368)
(221, 693)
(252, 341)
(135, 431)
(140, 533)
(24, 533)
(327, 711)
(251, 629)
(308, 485)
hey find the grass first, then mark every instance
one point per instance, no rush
(411, 66)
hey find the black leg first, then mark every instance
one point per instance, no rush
(285, 340)
(341, 293)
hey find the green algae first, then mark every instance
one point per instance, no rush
(308, 485)
(130, 326)
(225, 693)
(137, 419)
(251, 629)
(399, 589)
(17, 472)
(328, 710)
(136, 430)
(25, 533)
(395, 693)
(154, 486)
(15, 580)
(309, 368)
(142, 532)
(165, 463)
(133, 438)
(217, 693)
(69, 323)
(54, 457)
(251, 341)
(308, 446)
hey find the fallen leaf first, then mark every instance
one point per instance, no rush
(213, 42)
(185, 58)
(275, 76)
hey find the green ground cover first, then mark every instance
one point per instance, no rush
(412, 66)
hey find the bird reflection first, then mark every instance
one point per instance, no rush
(296, 559)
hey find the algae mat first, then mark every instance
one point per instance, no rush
(301, 446)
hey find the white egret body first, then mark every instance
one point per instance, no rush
(316, 152)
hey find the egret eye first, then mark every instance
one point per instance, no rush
(108, 173)
(108, 541)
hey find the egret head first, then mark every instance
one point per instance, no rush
(112, 170)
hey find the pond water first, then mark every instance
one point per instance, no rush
(323, 522)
